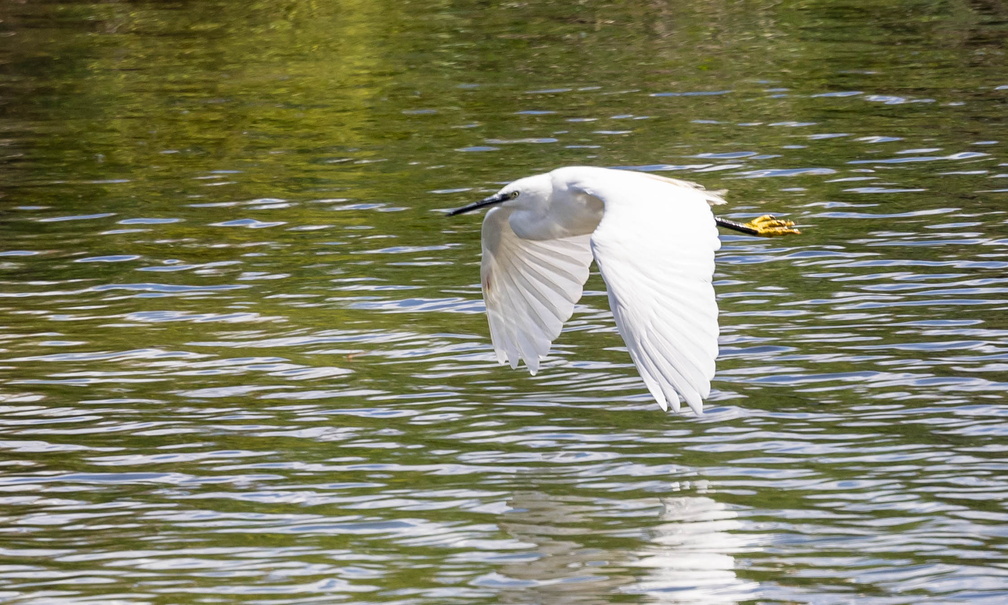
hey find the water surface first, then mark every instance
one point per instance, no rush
(243, 356)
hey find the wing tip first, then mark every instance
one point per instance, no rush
(693, 399)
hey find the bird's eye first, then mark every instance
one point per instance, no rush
(512, 195)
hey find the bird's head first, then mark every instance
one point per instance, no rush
(521, 193)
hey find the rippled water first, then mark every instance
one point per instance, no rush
(243, 356)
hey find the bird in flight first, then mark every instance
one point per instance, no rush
(653, 239)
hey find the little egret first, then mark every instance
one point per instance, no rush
(653, 239)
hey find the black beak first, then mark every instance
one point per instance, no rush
(498, 198)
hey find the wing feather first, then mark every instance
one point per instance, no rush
(530, 288)
(655, 249)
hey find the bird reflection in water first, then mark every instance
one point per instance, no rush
(691, 555)
(686, 557)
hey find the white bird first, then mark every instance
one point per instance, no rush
(653, 239)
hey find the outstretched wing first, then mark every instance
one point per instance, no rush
(530, 288)
(655, 249)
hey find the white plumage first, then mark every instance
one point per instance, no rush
(653, 239)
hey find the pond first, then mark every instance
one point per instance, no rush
(244, 356)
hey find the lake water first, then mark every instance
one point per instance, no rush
(243, 356)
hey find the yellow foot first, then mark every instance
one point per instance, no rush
(771, 226)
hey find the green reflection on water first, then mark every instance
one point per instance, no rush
(240, 319)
